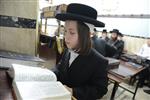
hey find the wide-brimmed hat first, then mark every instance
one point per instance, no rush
(80, 12)
(104, 31)
(120, 34)
(115, 31)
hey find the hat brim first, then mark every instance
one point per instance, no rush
(120, 34)
(117, 33)
(70, 16)
(113, 32)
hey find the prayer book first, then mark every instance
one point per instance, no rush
(36, 83)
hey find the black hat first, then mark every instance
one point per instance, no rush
(115, 31)
(120, 34)
(80, 12)
(104, 31)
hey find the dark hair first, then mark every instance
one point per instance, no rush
(104, 31)
(84, 38)
(61, 25)
(95, 30)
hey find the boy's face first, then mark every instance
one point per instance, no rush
(104, 34)
(114, 35)
(71, 34)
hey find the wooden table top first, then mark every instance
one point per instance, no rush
(119, 79)
(5, 88)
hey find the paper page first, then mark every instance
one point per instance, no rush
(29, 73)
(41, 91)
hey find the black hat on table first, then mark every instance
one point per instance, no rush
(80, 12)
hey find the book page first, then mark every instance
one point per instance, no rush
(41, 91)
(29, 73)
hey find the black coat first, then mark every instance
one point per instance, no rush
(103, 47)
(106, 38)
(87, 75)
(119, 45)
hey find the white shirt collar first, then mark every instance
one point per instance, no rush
(73, 56)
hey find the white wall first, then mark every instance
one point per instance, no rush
(129, 26)
(21, 40)
(114, 6)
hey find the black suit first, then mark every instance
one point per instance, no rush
(87, 75)
(103, 47)
(119, 45)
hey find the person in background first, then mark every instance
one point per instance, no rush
(82, 68)
(102, 46)
(120, 38)
(116, 43)
(104, 35)
(145, 52)
(59, 42)
(60, 30)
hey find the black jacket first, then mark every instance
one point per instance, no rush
(119, 45)
(103, 47)
(87, 75)
(106, 38)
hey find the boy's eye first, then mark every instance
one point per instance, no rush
(72, 33)
(69, 32)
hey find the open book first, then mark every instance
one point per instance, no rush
(35, 83)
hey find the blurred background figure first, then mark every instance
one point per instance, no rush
(122, 43)
(116, 43)
(104, 35)
(60, 45)
(144, 78)
(60, 30)
(101, 45)
(145, 50)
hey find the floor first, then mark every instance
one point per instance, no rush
(49, 55)
(125, 95)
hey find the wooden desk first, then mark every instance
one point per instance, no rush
(5, 88)
(116, 79)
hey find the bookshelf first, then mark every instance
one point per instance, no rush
(55, 40)
(49, 12)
